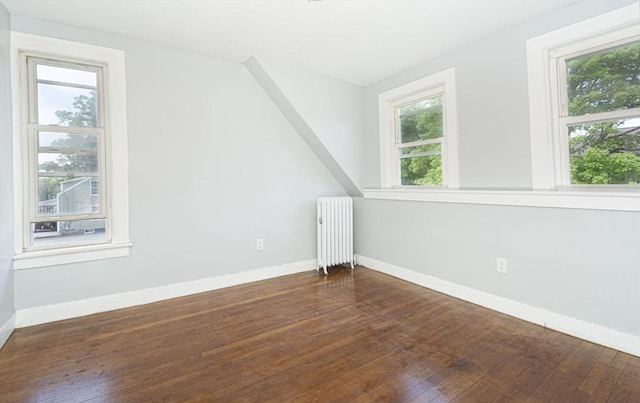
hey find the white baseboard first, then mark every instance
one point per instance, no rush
(6, 329)
(51, 313)
(587, 331)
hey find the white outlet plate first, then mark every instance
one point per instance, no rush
(501, 265)
(259, 244)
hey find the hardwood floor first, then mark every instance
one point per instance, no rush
(352, 336)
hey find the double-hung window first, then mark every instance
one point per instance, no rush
(71, 170)
(66, 154)
(584, 100)
(598, 107)
(418, 133)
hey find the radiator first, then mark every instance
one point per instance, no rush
(335, 232)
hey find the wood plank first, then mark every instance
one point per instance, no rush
(352, 336)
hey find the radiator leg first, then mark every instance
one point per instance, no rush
(326, 272)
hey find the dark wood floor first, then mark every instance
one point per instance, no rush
(351, 336)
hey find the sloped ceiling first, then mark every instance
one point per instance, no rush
(357, 41)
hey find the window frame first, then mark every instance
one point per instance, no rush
(114, 197)
(562, 119)
(548, 139)
(34, 128)
(439, 83)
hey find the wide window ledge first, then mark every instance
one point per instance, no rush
(572, 199)
(42, 258)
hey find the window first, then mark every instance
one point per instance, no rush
(418, 133)
(585, 105)
(95, 190)
(598, 100)
(66, 136)
(71, 157)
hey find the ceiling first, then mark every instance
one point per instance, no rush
(357, 41)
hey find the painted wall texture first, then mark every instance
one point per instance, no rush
(7, 308)
(213, 166)
(579, 263)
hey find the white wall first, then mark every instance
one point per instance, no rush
(241, 164)
(493, 108)
(213, 166)
(6, 171)
(334, 109)
(578, 263)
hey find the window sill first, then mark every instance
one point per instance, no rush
(30, 260)
(588, 200)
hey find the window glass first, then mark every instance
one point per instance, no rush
(605, 152)
(604, 81)
(421, 120)
(66, 75)
(421, 165)
(603, 144)
(59, 233)
(66, 106)
(66, 96)
(421, 126)
(67, 166)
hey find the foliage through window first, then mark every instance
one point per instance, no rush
(419, 141)
(600, 113)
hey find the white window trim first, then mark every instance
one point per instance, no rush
(386, 101)
(546, 159)
(117, 179)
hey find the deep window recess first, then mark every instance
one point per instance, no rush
(66, 138)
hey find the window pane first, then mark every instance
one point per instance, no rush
(68, 165)
(61, 195)
(66, 75)
(58, 233)
(421, 165)
(604, 81)
(421, 120)
(605, 152)
(67, 154)
(66, 106)
(67, 173)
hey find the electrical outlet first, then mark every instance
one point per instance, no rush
(501, 265)
(259, 244)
